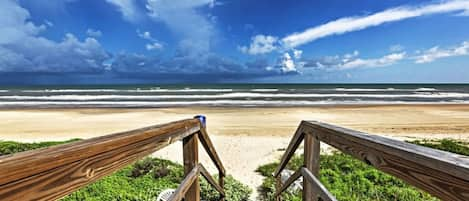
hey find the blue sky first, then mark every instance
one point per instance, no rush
(185, 41)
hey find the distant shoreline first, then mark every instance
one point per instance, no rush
(33, 107)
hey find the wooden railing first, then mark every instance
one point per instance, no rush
(52, 173)
(442, 174)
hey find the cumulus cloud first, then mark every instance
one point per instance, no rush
(260, 44)
(154, 44)
(195, 30)
(297, 54)
(145, 35)
(94, 33)
(287, 64)
(436, 52)
(22, 47)
(128, 9)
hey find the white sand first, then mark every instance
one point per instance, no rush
(245, 138)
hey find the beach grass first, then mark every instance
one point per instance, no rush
(349, 179)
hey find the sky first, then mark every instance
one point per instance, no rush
(233, 41)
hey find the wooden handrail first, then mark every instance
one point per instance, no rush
(208, 145)
(442, 174)
(290, 151)
(210, 180)
(54, 172)
(185, 185)
(317, 186)
(288, 182)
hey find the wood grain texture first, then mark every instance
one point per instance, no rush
(191, 160)
(322, 191)
(211, 151)
(186, 184)
(442, 174)
(290, 151)
(311, 162)
(211, 181)
(51, 173)
(288, 182)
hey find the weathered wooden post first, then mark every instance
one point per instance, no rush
(311, 162)
(221, 182)
(191, 160)
(278, 186)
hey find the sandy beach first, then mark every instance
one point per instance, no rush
(244, 137)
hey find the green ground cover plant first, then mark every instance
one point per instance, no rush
(141, 181)
(349, 179)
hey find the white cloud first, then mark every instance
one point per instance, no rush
(355, 23)
(94, 33)
(260, 44)
(145, 35)
(376, 62)
(15, 23)
(287, 64)
(22, 48)
(195, 30)
(297, 54)
(154, 46)
(435, 53)
(128, 8)
(352, 61)
(349, 24)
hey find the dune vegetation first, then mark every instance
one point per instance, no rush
(141, 181)
(349, 179)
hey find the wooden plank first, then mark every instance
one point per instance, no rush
(221, 181)
(294, 143)
(191, 160)
(278, 186)
(290, 180)
(210, 149)
(322, 191)
(442, 174)
(311, 162)
(186, 184)
(52, 173)
(211, 181)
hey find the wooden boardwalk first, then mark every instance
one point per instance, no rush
(51, 173)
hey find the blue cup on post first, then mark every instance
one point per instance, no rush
(202, 119)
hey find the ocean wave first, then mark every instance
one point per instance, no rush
(423, 95)
(264, 90)
(124, 90)
(425, 89)
(200, 103)
(363, 89)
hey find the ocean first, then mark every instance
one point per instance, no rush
(236, 95)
